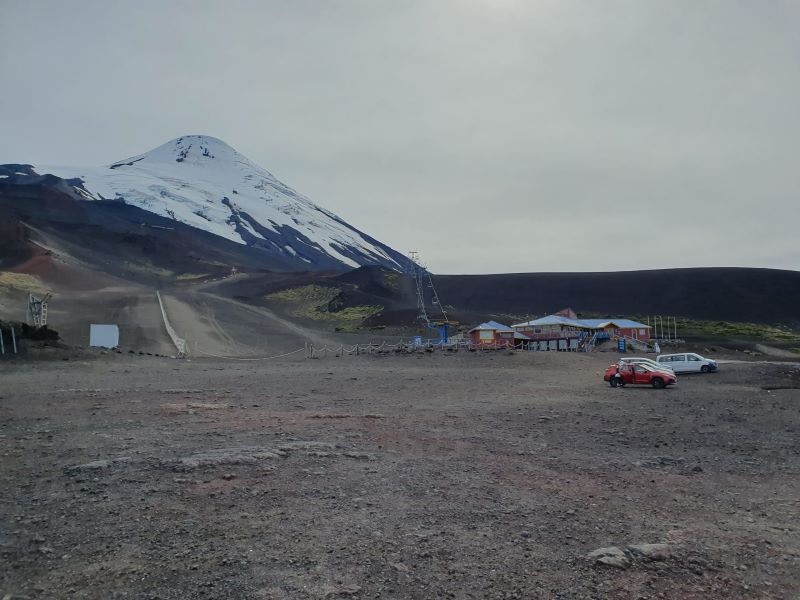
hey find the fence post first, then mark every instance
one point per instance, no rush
(14, 340)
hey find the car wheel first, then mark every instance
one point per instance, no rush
(705, 369)
(658, 383)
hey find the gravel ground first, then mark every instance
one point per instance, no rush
(463, 475)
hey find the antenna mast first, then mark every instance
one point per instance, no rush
(37, 309)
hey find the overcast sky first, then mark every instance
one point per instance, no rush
(490, 136)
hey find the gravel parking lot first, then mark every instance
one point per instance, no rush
(460, 475)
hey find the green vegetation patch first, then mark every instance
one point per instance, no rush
(22, 282)
(717, 329)
(321, 303)
(733, 330)
(392, 280)
(148, 269)
(308, 293)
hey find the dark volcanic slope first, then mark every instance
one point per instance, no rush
(733, 294)
(116, 237)
(729, 294)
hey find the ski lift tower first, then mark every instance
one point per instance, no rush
(422, 282)
(37, 309)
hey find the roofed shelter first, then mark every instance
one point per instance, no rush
(566, 332)
(616, 328)
(496, 335)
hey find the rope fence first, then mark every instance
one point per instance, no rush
(312, 351)
(401, 347)
(298, 351)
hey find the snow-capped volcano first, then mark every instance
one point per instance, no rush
(202, 182)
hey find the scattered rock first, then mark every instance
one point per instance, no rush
(344, 416)
(227, 456)
(623, 557)
(651, 551)
(97, 465)
(191, 407)
(611, 556)
(359, 455)
(299, 445)
(350, 590)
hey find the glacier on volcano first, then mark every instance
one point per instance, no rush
(203, 182)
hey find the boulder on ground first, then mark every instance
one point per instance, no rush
(611, 556)
(623, 557)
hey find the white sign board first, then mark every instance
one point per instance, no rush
(103, 336)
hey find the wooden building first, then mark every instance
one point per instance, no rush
(496, 335)
(561, 332)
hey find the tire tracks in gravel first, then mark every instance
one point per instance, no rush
(202, 304)
(294, 327)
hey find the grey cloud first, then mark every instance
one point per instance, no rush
(527, 135)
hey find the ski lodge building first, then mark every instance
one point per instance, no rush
(564, 331)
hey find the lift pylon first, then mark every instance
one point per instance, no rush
(424, 281)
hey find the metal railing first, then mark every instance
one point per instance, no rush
(13, 341)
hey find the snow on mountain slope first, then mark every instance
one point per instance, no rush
(202, 182)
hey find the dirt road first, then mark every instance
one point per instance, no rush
(461, 475)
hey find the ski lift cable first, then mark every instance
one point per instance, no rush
(416, 272)
(419, 272)
(436, 296)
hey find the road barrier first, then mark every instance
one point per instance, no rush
(13, 349)
(13, 341)
(179, 342)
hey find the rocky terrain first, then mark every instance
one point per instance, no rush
(445, 475)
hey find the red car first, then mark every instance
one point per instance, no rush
(638, 374)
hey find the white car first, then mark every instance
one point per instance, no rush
(687, 362)
(637, 360)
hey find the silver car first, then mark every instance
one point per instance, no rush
(687, 362)
(636, 360)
